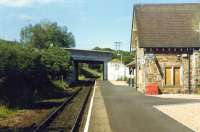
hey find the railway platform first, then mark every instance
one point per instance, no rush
(99, 118)
(122, 109)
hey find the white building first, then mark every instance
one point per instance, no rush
(117, 71)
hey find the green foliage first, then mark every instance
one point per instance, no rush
(27, 72)
(6, 111)
(37, 70)
(127, 56)
(95, 71)
(18, 67)
(103, 49)
(8, 42)
(98, 67)
(88, 74)
(56, 62)
(46, 34)
(62, 85)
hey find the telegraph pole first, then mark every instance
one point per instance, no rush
(117, 46)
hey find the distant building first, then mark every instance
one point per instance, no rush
(117, 71)
(166, 38)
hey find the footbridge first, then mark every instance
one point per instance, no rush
(89, 56)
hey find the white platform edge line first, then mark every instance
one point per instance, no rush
(90, 111)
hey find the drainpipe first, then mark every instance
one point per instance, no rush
(136, 70)
(145, 73)
(189, 73)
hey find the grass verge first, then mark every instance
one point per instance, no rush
(6, 111)
(12, 119)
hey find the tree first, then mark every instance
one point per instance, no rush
(103, 49)
(28, 73)
(127, 56)
(46, 34)
(56, 62)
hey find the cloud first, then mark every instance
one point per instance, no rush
(22, 3)
(25, 17)
(28, 18)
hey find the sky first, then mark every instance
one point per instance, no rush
(93, 22)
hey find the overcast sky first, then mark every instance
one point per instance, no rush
(93, 22)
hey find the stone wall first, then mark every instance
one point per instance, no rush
(155, 69)
(151, 69)
(195, 71)
(154, 72)
(140, 79)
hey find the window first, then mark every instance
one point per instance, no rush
(172, 76)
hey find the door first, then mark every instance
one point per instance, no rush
(168, 80)
(177, 76)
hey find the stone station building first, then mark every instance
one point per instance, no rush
(166, 38)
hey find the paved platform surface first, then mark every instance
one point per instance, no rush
(99, 120)
(122, 109)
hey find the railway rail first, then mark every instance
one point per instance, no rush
(77, 122)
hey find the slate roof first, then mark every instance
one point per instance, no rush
(168, 25)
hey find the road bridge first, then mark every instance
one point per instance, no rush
(89, 56)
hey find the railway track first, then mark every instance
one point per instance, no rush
(79, 118)
(57, 120)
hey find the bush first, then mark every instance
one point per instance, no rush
(26, 73)
(56, 62)
(62, 85)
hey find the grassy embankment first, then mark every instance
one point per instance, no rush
(19, 118)
(5, 111)
(13, 118)
(95, 73)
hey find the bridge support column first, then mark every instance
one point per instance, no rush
(75, 71)
(105, 71)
